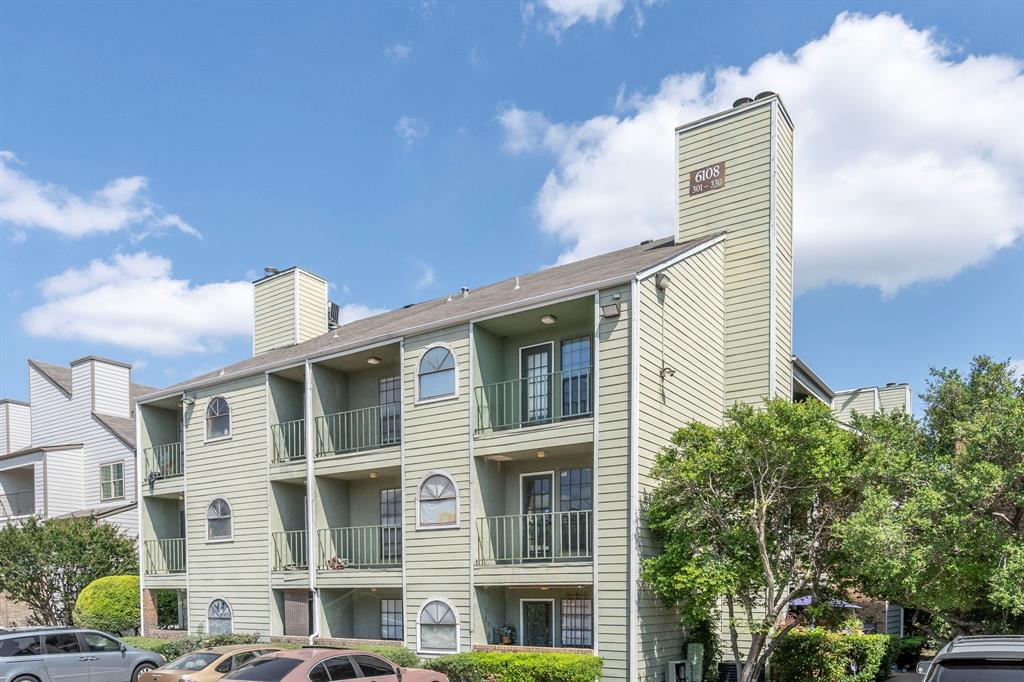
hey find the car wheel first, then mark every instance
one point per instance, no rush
(141, 669)
(25, 678)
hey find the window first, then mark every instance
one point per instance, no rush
(575, 493)
(577, 623)
(218, 419)
(111, 481)
(193, 662)
(391, 619)
(391, 524)
(339, 668)
(97, 642)
(437, 374)
(218, 618)
(390, 395)
(218, 520)
(19, 646)
(66, 643)
(438, 503)
(438, 627)
(371, 666)
(270, 670)
(576, 377)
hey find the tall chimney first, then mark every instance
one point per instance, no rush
(736, 177)
(290, 306)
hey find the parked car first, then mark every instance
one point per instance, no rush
(977, 659)
(324, 664)
(206, 665)
(58, 654)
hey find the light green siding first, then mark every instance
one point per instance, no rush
(743, 209)
(861, 400)
(895, 397)
(612, 487)
(312, 306)
(235, 469)
(683, 329)
(289, 308)
(436, 438)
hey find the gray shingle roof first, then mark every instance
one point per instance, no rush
(119, 426)
(59, 375)
(593, 272)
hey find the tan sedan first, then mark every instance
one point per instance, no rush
(206, 665)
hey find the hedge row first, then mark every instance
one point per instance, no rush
(173, 648)
(517, 667)
(822, 656)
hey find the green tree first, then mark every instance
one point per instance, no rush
(45, 564)
(110, 604)
(940, 520)
(745, 513)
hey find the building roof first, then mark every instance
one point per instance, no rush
(122, 427)
(58, 375)
(40, 448)
(12, 401)
(508, 294)
(99, 512)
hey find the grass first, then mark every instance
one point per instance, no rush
(147, 643)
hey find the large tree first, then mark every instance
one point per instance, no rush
(45, 564)
(940, 519)
(745, 513)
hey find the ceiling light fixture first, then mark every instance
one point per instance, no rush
(373, 474)
(373, 360)
(548, 319)
(541, 453)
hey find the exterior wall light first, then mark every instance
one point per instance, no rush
(611, 310)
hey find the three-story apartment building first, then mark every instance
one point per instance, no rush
(437, 473)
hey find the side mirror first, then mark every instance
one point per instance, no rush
(398, 673)
(124, 648)
(923, 667)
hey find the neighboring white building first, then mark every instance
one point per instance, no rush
(70, 451)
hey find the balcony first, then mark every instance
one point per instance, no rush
(165, 556)
(353, 431)
(359, 547)
(542, 398)
(163, 462)
(290, 550)
(19, 503)
(289, 441)
(534, 538)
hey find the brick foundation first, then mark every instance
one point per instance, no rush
(334, 641)
(149, 619)
(510, 649)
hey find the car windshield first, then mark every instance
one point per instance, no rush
(265, 670)
(977, 671)
(192, 661)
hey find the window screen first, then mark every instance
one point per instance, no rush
(577, 623)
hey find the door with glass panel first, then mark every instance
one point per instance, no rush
(575, 505)
(391, 525)
(390, 411)
(536, 517)
(535, 383)
(575, 365)
(537, 622)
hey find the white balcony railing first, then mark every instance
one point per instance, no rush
(289, 440)
(359, 547)
(165, 556)
(540, 399)
(164, 461)
(290, 552)
(530, 538)
(355, 430)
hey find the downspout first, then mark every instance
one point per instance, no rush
(634, 446)
(312, 553)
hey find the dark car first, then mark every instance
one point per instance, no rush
(977, 659)
(70, 655)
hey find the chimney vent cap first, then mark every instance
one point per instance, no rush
(741, 101)
(270, 270)
(762, 95)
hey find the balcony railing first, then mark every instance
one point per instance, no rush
(165, 556)
(21, 503)
(164, 461)
(539, 399)
(359, 547)
(355, 430)
(534, 538)
(289, 440)
(290, 552)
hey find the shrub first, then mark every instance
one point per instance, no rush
(822, 656)
(907, 651)
(398, 655)
(173, 648)
(110, 604)
(518, 667)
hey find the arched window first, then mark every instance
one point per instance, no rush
(218, 618)
(218, 520)
(437, 374)
(218, 419)
(438, 627)
(438, 502)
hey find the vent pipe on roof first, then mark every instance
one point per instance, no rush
(762, 95)
(270, 270)
(741, 101)
(465, 292)
(517, 283)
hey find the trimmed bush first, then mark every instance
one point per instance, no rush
(109, 604)
(822, 656)
(484, 666)
(174, 648)
(398, 655)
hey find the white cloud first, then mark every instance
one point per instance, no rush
(427, 275)
(26, 203)
(411, 129)
(909, 161)
(564, 14)
(1017, 367)
(350, 312)
(134, 301)
(398, 52)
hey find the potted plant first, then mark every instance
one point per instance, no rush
(507, 632)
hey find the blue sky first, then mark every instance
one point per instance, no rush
(403, 150)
